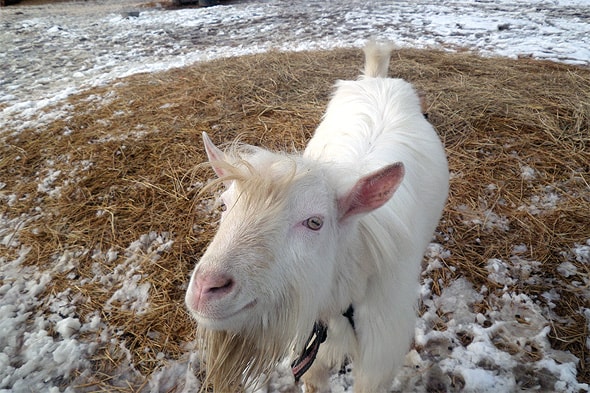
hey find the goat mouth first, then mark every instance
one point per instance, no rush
(221, 317)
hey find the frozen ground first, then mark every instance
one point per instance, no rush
(49, 52)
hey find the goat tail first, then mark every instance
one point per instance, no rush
(377, 56)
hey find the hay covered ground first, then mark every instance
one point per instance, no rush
(100, 225)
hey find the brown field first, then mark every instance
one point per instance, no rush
(495, 116)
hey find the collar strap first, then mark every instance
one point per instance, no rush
(312, 345)
(349, 314)
(310, 351)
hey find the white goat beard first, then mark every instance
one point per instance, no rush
(236, 361)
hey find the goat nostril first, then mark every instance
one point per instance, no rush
(214, 284)
(222, 287)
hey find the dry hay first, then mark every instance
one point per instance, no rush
(142, 136)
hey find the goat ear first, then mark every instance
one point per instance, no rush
(213, 154)
(371, 191)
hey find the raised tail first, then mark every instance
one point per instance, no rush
(377, 56)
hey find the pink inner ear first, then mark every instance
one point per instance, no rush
(371, 191)
(213, 154)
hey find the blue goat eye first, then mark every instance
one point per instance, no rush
(313, 223)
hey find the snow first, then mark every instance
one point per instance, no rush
(480, 362)
(75, 50)
(50, 52)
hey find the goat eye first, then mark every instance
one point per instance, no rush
(313, 223)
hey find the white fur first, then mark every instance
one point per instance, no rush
(288, 276)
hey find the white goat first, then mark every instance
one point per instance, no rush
(305, 238)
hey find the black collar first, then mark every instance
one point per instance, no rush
(310, 351)
(349, 314)
(312, 345)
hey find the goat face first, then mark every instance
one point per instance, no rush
(273, 253)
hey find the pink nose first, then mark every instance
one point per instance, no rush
(212, 286)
